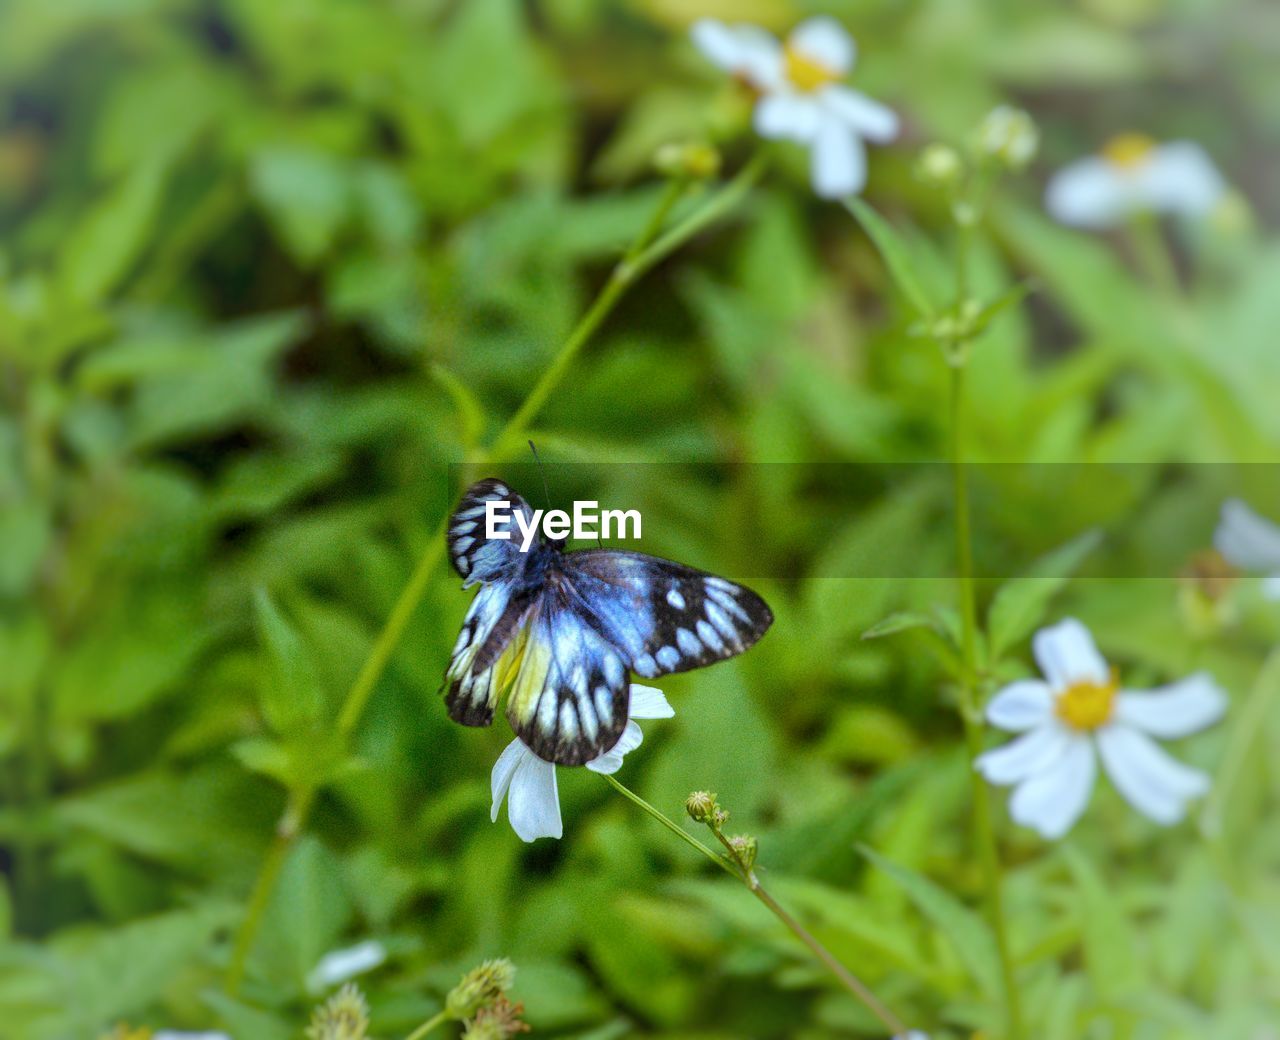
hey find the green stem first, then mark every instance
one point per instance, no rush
(732, 865)
(428, 1025)
(672, 826)
(640, 257)
(983, 825)
(1151, 251)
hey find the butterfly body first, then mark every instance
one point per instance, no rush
(556, 632)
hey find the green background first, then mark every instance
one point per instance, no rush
(268, 269)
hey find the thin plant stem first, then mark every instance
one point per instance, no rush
(983, 825)
(649, 248)
(428, 1025)
(747, 876)
(672, 826)
(1151, 251)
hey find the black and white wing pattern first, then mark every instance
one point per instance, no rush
(475, 556)
(662, 616)
(568, 701)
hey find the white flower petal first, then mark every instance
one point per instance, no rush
(1021, 705)
(1154, 783)
(1176, 710)
(1066, 654)
(1089, 193)
(788, 117)
(173, 1034)
(1246, 539)
(533, 802)
(503, 770)
(839, 162)
(1181, 178)
(825, 41)
(339, 965)
(648, 702)
(1052, 800)
(611, 760)
(744, 50)
(1031, 753)
(872, 120)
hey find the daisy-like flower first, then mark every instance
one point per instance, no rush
(801, 96)
(529, 783)
(1131, 175)
(1079, 713)
(1250, 542)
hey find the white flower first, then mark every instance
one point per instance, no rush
(170, 1034)
(340, 965)
(1078, 714)
(1251, 543)
(1131, 175)
(801, 96)
(529, 783)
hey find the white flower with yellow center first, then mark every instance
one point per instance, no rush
(1079, 713)
(529, 782)
(1250, 542)
(1133, 175)
(801, 96)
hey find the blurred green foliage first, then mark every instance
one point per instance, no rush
(267, 269)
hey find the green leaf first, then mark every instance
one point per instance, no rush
(290, 694)
(100, 250)
(1020, 604)
(470, 412)
(307, 196)
(962, 927)
(894, 252)
(902, 621)
(1110, 950)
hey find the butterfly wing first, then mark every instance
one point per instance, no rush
(568, 700)
(473, 554)
(487, 649)
(661, 616)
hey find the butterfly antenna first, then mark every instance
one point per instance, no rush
(546, 491)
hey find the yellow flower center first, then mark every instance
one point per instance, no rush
(807, 74)
(1088, 705)
(1129, 152)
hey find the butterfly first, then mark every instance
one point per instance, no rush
(557, 632)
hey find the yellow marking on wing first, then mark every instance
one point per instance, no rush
(535, 663)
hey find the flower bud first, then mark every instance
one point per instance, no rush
(700, 805)
(719, 817)
(694, 161)
(939, 165)
(479, 988)
(344, 1016)
(744, 848)
(1010, 136)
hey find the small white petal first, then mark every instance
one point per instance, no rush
(503, 770)
(648, 702)
(1176, 710)
(839, 162)
(611, 760)
(1021, 705)
(1181, 178)
(825, 41)
(533, 802)
(872, 120)
(1066, 654)
(173, 1034)
(1246, 539)
(339, 965)
(1031, 753)
(744, 50)
(1051, 801)
(1154, 783)
(1089, 193)
(788, 117)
